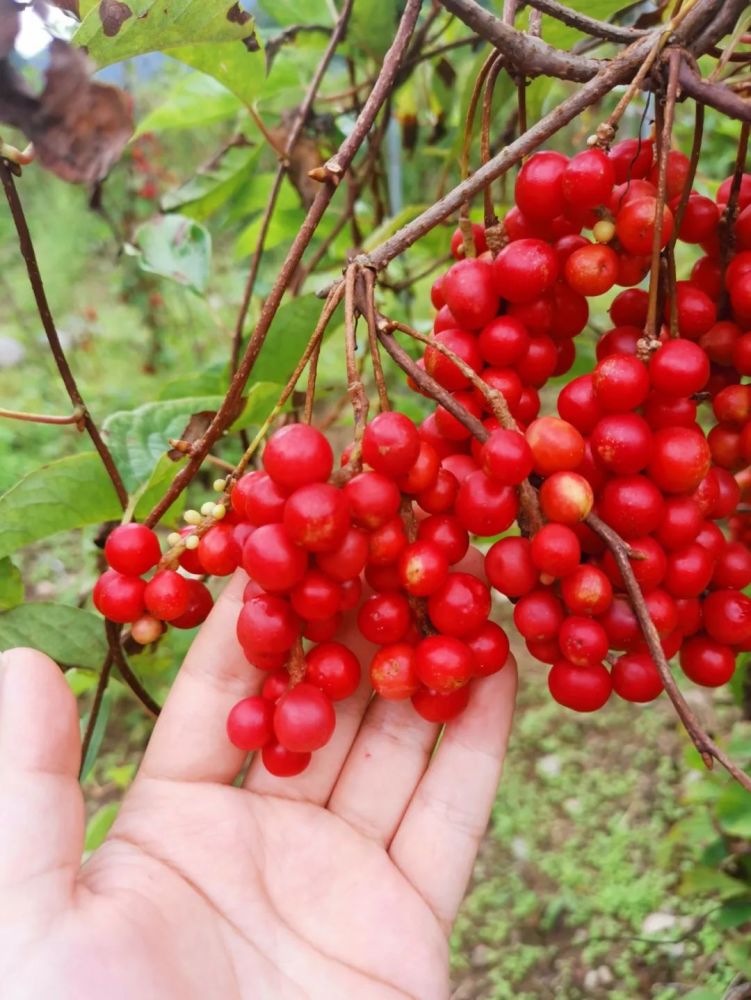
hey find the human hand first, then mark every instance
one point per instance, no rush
(342, 882)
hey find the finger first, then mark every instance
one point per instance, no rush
(41, 835)
(439, 836)
(317, 780)
(384, 766)
(189, 742)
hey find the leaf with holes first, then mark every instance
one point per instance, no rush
(175, 247)
(71, 636)
(69, 493)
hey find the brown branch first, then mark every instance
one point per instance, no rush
(96, 707)
(56, 348)
(294, 134)
(42, 418)
(355, 386)
(702, 741)
(369, 312)
(586, 24)
(130, 679)
(487, 112)
(527, 54)
(727, 222)
(714, 95)
(342, 159)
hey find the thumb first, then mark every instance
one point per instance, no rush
(41, 836)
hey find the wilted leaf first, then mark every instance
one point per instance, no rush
(62, 495)
(79, 127)
(71, 636)
(11, 585)
(176, 247)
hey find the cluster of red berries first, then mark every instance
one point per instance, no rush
(627, 445)
(310, 544)
(122, 595)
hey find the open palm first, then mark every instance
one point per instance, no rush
(340, 883)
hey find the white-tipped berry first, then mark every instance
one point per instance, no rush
(192, 542)
(192, 517)
(174, 538)
(219, 511)
(207, 509)
(219, 485)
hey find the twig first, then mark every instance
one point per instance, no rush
(96, 707)
(586, 24)
(369, 311)
(728, 216)
(692, 167)
(355, 386)
(707, 748)
(342, 159)
(186, 448)
(42, 418)
(116, 651)
(674, 61)
(487, 111)
(294, 134)
(56, 348)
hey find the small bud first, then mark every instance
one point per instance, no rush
(207, 509)
(192, 542)
(603, 231)
(192, 517)
(219, 485)
(219, 511)
(174, 538)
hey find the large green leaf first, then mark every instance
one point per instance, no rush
(71, 636)
(372, 25)
(203, 194)
(297, 11)
(194, 101)
(290, 332)
(734, 811)
(241, 71)
(701, 879)
(11, 585)
(175, 247)
(113, 31)
(62, 495)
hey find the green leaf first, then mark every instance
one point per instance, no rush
(99, 825)
(390, 226)
(154, 489)
(211, 381)
(289, 334)
(734, 811)
(177, 248)
(562, 36)
(154, 26)
(11, 585)
(297, 11)
(97, 736)
(194, 101)
(733, 914)
(62, 495)
(203, 194)
(706, 880)
(71, 636)
(241, 71)
(738, 954)
(372, 25)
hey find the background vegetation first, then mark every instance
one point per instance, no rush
(613, 867)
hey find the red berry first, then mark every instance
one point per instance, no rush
(296, 455)
(146, 629)
(506, 458)
(631, 159)
(167, 595)
(583, 689)
(443, 663)
(424, 473)
(733, 568)
(460, 605)
(622, 443)
(583, 641)
(556, 445)
(509, 566)
(272, 559)
(200, 603)
(119, 597)
(539, 615)
(334, 669)
(484, 507)
(423, 567)
(470, 293)
(385, 618)
(678, 167)
(323, 630)
(680, 459)
(538, 363)
(267, 624)
(629, 308)
(391, 443)
(577, 404)
(503, 341)
(555, 550)
(259, 498)
(392, 672)
(706, 662)
(316, 517)
(347, 560)
(566, 498)
(489, 646)
(679, 368)
(620, 623)
(373, 499)
(304, 719)
(588, 179)
(621, 383)
(632, 505)
(525, 269)
(539, 186)
(587, 591)
(697, 313)
(443, 369)
(218, 550)
(478, 235)
(635, 225)
(591, 270)
(132, 549)
(440, 497)
(727, 617)
(448, 533)
(316, 596)
(441, 708)
(387, 543)
(281, 762)
(699, 220)
(689, 570)
(636, 678)
(249, 723)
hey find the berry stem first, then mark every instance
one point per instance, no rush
(35, 280)
(491, 219)
(96, 707)
(707, 748)
(42, 418)
(355, 387)
(116, 651)
(369, 311)
(731, 210)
